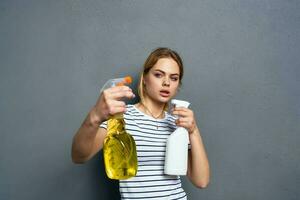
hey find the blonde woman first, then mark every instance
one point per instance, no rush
(150, 125)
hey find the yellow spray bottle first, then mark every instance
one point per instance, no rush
(119, 149)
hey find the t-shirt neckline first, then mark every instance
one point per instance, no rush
(150, 117)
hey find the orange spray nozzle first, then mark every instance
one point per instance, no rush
(125, 80)
(128, 79)
(117, 82)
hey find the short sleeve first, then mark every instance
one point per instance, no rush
(103, 125)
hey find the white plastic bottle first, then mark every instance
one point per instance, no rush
(177, 147)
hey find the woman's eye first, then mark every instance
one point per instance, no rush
(157, 75)
(174, 79)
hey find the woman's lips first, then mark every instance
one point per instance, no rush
(164, 93)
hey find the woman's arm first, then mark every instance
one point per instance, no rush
(198, 165)
(89, 138)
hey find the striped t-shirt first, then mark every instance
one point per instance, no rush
(150, 136)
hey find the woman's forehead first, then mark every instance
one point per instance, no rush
(167, 65)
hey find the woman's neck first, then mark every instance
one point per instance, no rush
(156, 109)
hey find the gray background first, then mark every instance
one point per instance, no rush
(241, 75)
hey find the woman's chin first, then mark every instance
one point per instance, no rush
(164, 99)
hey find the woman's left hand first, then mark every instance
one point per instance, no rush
(185, 119)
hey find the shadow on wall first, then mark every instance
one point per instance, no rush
(109, 187)
(74, 181)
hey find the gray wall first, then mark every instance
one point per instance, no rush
(242, 77)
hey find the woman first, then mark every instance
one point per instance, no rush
(150, 125)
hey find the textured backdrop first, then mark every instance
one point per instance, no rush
(241, 76)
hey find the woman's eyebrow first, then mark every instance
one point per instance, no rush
(165, 72)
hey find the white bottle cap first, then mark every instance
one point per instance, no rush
(180, 103)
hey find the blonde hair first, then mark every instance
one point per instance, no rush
(152, 59)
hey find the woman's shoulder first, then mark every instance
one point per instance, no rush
(130, 107)
(131, 110)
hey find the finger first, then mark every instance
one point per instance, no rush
(115, 103)
(181, 113)
(116, 110)
(115, 107)
(119, 94)
(112, 90)
(123, 94)
(183, 122)
(181, 109)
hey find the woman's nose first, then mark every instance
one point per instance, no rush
(166, 82)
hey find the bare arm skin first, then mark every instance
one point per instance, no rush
(198, 166)
(88, 139)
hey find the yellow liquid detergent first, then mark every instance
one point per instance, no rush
(119, 150)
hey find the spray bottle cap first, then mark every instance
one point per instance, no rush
(125, 80)
(128, 79)
(180, 103)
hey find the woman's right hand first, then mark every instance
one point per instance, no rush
(110, 102)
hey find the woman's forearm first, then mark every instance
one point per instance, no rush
(198, 171)
(84, 139)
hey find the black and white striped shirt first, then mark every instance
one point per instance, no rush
(150, 181)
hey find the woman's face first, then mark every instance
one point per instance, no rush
(162, 80)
